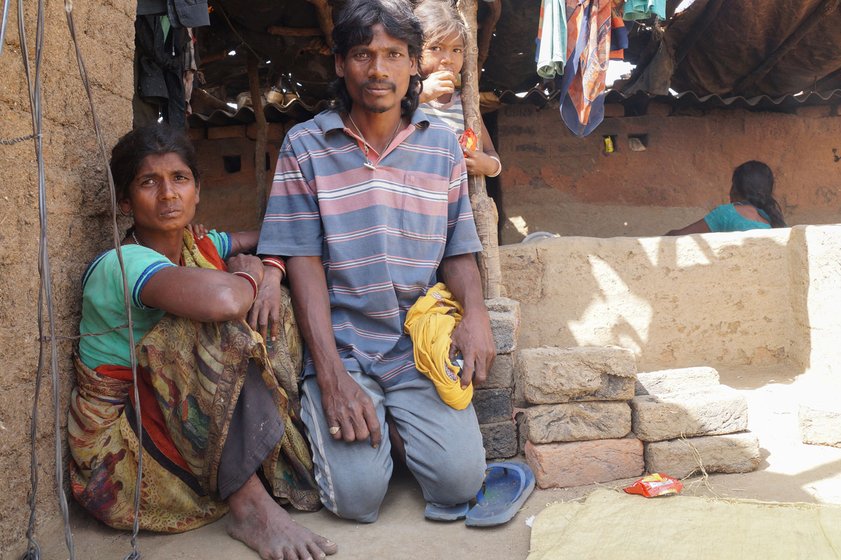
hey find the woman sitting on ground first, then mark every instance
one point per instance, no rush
(218, 406)
(752, 204)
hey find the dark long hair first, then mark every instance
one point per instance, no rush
(353, 27)
(753, 181)
(156, 139)
(440, 19)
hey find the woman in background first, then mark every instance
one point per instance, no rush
(752, 204)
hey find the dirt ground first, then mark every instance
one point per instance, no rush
(790, 472)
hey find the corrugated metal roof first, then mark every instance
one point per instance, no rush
(754, 54)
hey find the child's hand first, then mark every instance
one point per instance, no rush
(437, 84)
(198, 230)
(479, 163)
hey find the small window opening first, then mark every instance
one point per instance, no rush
(637, 142)
(232, 164)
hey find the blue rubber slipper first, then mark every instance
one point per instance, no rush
(505, 490)
(437, 512)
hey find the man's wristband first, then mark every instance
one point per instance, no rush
(251, 281)
(498, 166)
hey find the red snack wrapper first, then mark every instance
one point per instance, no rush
(656, 484)
(468, 140)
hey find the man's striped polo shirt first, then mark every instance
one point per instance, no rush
(381, 233)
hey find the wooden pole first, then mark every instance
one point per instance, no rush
(325, 19)
(484, 209)
(262, 134)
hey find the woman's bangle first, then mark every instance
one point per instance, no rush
(498, 166)
(275, 262)
(251, 281)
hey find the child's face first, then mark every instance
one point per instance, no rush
(445, 54)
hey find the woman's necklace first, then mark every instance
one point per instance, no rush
(136, 240)
(366, 145)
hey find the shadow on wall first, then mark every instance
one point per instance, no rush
(755, 298)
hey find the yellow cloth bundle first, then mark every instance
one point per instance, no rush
(430, 323)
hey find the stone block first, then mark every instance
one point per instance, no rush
(501, 374)
(731, 453)
(579, 421)
(559, 465)
(500, 439)
(820, 426)
(504, 314)
(675, 380)
(493, 405)
(557, 375)
(717, 410)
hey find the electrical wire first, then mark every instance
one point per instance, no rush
(68, 9)
(45, 295)
(3, 23)
(33, 550)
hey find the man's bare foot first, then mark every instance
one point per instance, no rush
(258, 521)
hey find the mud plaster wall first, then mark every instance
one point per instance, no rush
(78, 206)
(722, 298)
(555, 182)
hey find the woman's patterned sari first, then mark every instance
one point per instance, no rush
(190, 375)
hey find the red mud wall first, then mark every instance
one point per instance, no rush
(556, 182)
(229, 199)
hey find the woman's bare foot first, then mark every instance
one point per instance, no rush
(258, 521)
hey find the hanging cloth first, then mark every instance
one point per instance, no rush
(618, 34)
(588, 53)
(644, 9)
(551, 39)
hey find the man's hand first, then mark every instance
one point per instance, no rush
(266, 308)
(348, 407)
(473, 339)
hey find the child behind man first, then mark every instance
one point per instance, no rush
(444, 38)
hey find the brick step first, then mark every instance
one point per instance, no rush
(731, 453)
(499, 439)
(550, 375)
(708, 411)
(580, 421)
(675, 380)
(820, 425)
(560, 465)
